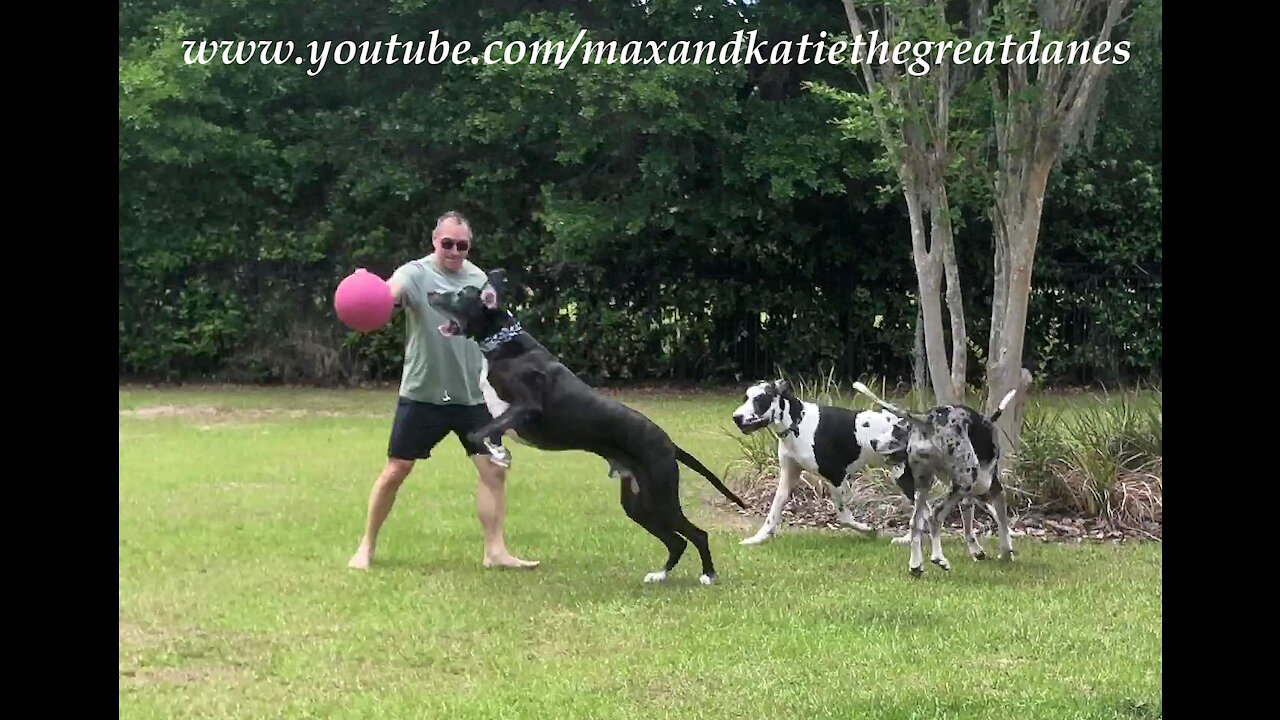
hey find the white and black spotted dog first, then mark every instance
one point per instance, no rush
(952, 443)
(829, 441)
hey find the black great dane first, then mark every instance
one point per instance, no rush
(530, 392)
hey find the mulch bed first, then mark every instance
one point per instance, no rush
(889, 514)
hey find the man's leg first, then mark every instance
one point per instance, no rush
(491, 509)
(380, 502)
(491, 506)
(414, 433)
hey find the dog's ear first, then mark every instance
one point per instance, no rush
(491, 293)
(514, 287)
(784, 389)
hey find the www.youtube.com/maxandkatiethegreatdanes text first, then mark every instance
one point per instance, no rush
(744, 48)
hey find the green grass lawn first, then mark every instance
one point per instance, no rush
(240, 507)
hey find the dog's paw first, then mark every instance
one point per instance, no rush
(916, 572)
(901, 540)
(849, 522)
(980, 555)
(755, 539)
(656, 576)
(1007, 555)
(498, 455)
(941, 562)
(706, 579)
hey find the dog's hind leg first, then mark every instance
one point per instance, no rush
(788, 474)
(637, 510)
(1000, 511)
(698, 537)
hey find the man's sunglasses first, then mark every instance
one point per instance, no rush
(448, 243)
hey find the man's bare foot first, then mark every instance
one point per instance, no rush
(361, 560)
(509, 561)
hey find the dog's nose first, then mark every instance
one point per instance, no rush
(875, 445)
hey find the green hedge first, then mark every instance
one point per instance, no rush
(681, 222)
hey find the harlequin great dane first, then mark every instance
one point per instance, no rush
(832, 442)
(952, 443)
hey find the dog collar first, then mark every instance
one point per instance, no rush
(504, 335)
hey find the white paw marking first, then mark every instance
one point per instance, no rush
(705, 579)
(656, 576)
(498, 455)
(901, 540)
(755, 539)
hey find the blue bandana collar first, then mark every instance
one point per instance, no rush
(504, 335)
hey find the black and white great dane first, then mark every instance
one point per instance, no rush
(528, 391)
(832, 442)
(955, 444)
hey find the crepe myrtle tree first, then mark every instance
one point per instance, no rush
(1038, 110)
(910, 114)
(990, 132)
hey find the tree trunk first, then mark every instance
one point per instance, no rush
(919, 144)
(1018, 232)
(920, 363)
(945, 241)
(1000, 289)
(1007, 372)
(929, 284)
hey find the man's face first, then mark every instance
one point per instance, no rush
(452, 243)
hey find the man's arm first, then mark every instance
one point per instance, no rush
(397, 291)
(402, 284)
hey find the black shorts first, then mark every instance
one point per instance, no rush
(420, 426)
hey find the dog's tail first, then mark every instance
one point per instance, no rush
(994, 416)
(1003, 404)
(917, 420)
(692, 463)
(867, 391)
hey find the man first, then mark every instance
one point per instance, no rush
(439, 392)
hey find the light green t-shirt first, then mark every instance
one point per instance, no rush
(437, 369)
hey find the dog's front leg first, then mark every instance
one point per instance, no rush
(514, 416)
(840, 495)
(525, 406)
(940, 513)
(788, 474)
(919, 512)
(906, 481)
(975, 548)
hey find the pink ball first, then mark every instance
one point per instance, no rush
(363, 301)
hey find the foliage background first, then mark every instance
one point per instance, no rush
(686, 222)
